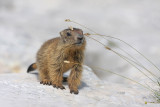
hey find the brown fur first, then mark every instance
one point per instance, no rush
(34, 66)
(51, 56)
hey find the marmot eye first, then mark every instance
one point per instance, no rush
(68, 34)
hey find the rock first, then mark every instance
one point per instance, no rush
(24, 90)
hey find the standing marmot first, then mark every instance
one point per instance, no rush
(51, 56)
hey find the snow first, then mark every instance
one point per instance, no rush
(22, 89)
(25, 25)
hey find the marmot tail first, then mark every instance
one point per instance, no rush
(32, 67)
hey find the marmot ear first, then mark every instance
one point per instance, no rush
(62, 36)
(61, 33)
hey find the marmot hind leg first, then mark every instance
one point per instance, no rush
(44, 78)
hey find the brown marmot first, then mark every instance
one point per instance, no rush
(51, 57)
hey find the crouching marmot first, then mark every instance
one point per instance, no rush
(51, 57)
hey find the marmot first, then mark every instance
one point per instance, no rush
(51, 57)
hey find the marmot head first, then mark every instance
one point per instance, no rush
(73, 36)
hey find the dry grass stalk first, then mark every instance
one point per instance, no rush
(134, 62)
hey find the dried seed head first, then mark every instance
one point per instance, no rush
(67, 20)
(70, 27)
(87, 34)
(66, 61)
(108, 48)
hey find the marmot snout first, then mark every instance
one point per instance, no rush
(52, 54)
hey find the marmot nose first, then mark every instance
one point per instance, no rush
(80, 37)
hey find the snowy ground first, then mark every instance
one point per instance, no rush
(21, 89)
(25, 25)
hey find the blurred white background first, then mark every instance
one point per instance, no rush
(26, 24)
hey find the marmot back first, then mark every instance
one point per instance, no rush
(52, 54)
